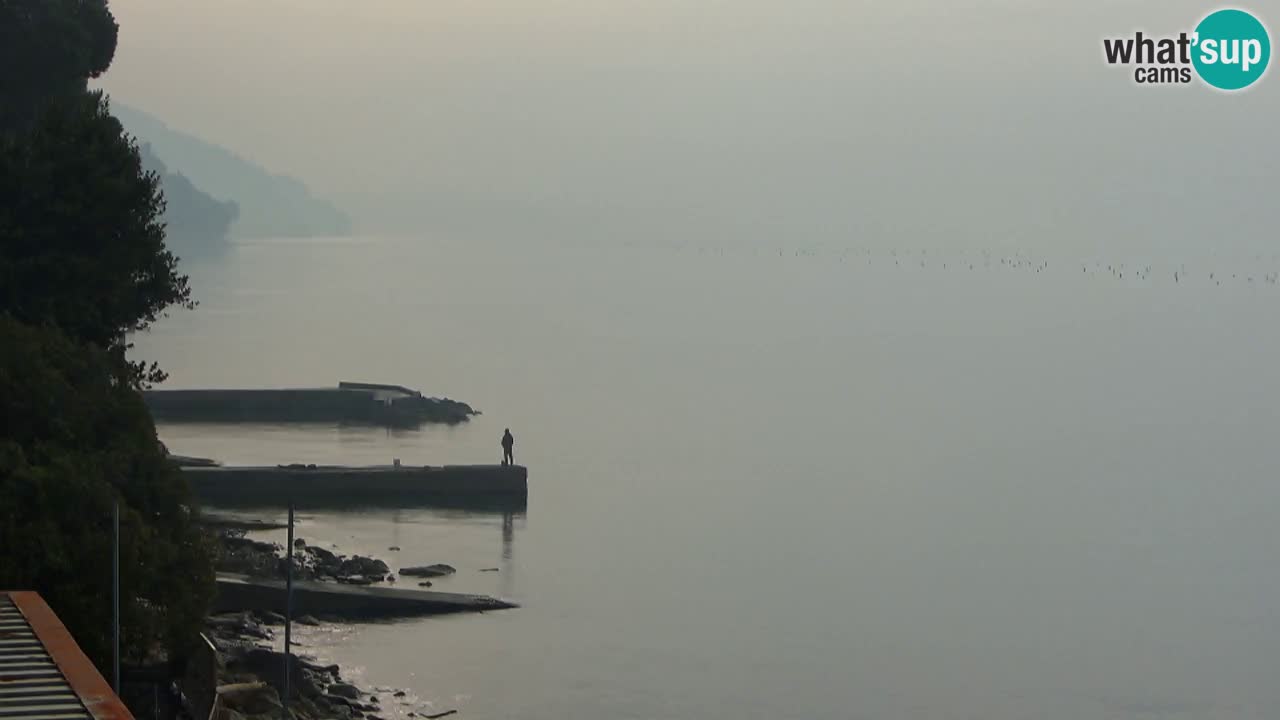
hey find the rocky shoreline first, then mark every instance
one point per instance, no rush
(251, 678)
(256, 558)
(251, 671)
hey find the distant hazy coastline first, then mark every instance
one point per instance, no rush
(214, 194)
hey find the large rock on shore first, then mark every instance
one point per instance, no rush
(251, 698)
(305, 678)
(248, 557)
(233, 542)
(344, 690)
(446, 410)
(437, 570)
(325, 564)
(234, 626)
(260, 559)
(301, 571)
(323, 557)
(359, 565)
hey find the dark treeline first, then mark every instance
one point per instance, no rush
(84, 263)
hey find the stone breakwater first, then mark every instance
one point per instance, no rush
(363, 403)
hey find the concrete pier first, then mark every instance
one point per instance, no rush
(240, 592)
(377, 484)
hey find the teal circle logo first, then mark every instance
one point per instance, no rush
(1232, 49)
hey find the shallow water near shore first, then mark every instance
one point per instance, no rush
(788, 482)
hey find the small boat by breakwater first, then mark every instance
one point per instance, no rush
(350, 402)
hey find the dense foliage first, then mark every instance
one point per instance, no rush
(50, 48)
(83, 263)
(82, 245)
(73, 439)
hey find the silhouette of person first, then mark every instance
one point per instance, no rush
(508, 445)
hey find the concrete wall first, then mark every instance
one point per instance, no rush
(282, 484)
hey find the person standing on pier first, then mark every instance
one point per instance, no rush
(508, 447)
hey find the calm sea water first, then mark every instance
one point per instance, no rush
(790, 482)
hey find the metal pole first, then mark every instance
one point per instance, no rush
(115, 597)
(288, 612)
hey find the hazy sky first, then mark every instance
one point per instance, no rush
(925, 121)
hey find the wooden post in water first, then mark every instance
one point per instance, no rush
(288, 613)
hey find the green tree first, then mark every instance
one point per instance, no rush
(73, 439)
(83, 263)
(50, 48)
(82, 244)
(82, 239)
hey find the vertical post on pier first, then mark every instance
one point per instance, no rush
(115, 597)
(288, 614)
